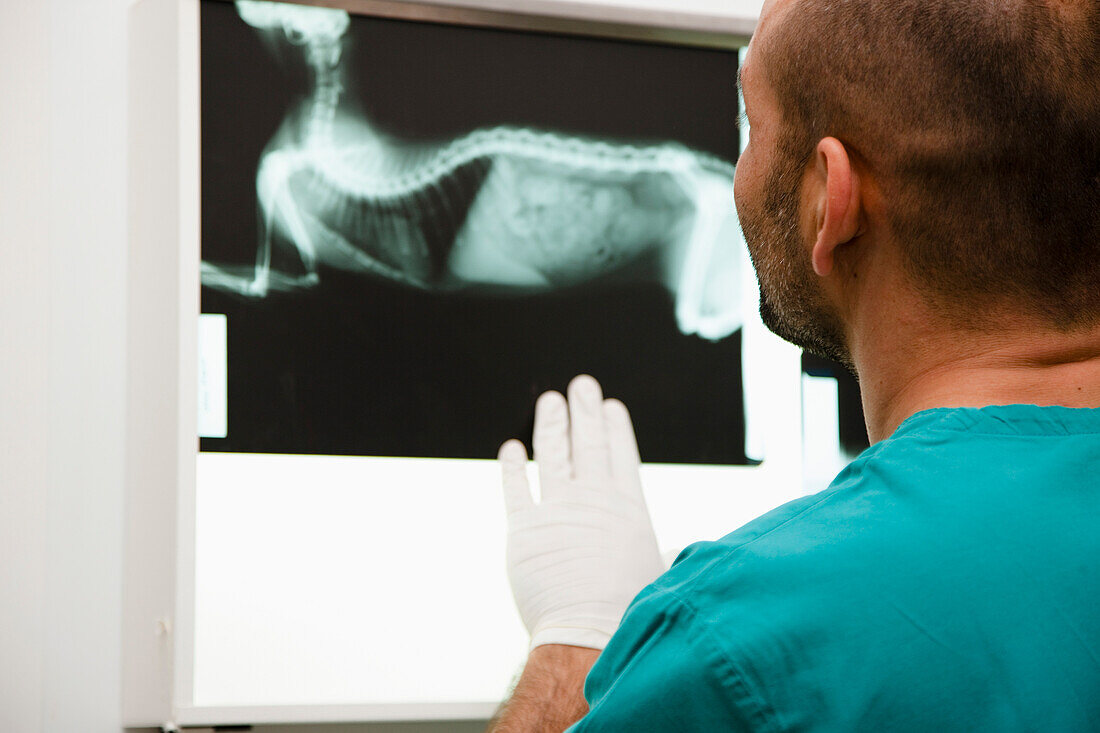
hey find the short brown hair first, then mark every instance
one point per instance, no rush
(980, 119)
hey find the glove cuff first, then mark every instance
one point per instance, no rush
(571, 636)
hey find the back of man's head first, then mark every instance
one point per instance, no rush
(980, 122)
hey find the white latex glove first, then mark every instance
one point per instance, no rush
(577, 558)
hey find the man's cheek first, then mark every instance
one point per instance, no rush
(740, 199)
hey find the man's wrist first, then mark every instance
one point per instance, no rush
(563, 661)
(550, 694)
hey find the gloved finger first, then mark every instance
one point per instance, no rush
(551, 441)
(586, 429)
(622, 445)
(513, 471)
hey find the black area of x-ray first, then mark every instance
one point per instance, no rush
(362, 365)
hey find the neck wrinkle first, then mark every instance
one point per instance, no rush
(950, 369)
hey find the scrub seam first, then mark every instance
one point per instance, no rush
(736, 678)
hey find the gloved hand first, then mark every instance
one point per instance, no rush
(577, 558)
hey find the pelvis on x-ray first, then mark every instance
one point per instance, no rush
(502, 208)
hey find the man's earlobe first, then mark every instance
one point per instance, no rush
(822, 259)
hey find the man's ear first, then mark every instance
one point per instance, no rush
(838, 209)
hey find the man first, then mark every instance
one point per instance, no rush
(921, 199)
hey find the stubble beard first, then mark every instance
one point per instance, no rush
(792, 305)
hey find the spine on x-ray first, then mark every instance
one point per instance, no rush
(324, 58)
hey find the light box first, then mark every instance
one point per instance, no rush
(363, 242)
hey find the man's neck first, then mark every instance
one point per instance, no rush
(903, 371)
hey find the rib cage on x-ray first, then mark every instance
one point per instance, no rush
(504, 208)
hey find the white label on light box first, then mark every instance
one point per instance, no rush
(213, 380)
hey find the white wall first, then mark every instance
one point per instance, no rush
(23, 360)
(62, 306)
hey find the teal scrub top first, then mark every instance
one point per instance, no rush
(947, 580)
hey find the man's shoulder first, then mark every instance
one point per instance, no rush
(834, 521)
(940, 516)
(874, 520)
(921, 547)
(940, 469)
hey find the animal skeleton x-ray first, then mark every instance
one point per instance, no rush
(503, 208)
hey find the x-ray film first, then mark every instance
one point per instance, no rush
(413, 228)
